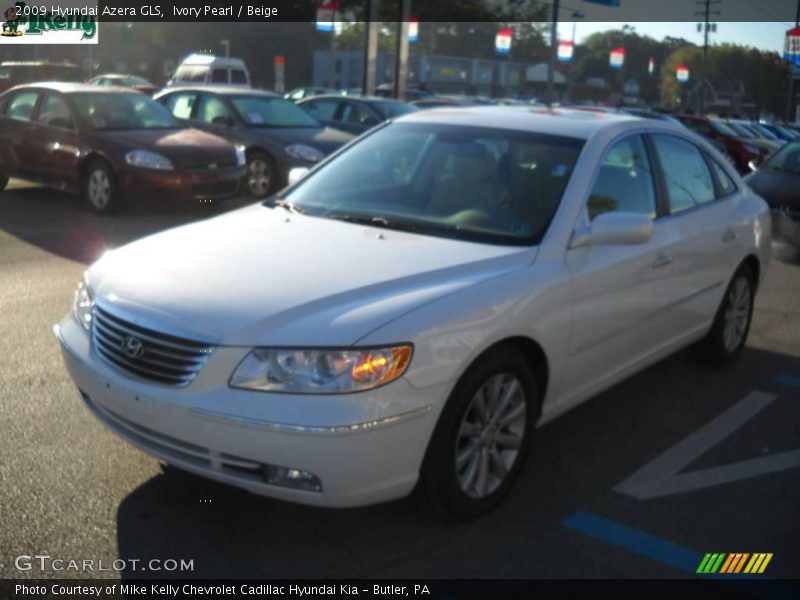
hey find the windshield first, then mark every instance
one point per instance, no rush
(122, 111)
(765, 132)
(743, 130)
(786, 160)
(259, 111)
(723, 129)
(471, 183)
(390, 110)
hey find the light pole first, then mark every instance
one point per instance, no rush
(227, 45)
(626, 29)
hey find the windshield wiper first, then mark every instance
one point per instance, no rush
(385, 223)
(285, 204)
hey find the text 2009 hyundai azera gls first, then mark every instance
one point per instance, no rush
(411, 309)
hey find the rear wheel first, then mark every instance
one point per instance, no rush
(260, 175)
(483, 436)
(732, 322)
(100, 188)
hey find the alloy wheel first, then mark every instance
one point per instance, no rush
(737, 314)
(490, 435)
(258, 177)
(99, 189)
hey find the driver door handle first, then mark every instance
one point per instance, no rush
(662, 261)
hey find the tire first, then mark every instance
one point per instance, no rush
(100, 188)
(3, 182)
(474, 459)
(261, 176)
(728, 333)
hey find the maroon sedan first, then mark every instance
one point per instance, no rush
(110, 144)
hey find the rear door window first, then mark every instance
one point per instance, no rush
(213, 110)
(181, 104)
(21, 106)
(238, 77)
(324, 110)
(54, 112)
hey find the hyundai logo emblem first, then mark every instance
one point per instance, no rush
(132, 347)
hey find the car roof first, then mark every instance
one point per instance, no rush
(66, 87)
(554, 121)
(118, 75)
(202, 60)
(352, 97)
(222, 90)
(35, 63)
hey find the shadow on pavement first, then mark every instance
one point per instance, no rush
(58, 223)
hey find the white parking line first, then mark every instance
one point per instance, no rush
(662, 477)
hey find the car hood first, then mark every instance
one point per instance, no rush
(759, 143)
(263, 276)
(181, 146)
(325, 139)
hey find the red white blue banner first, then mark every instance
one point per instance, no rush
(616, 59)
(565, 51)
(502, 41)
(682, 74)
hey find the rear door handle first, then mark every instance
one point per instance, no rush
(729, 235)
(662, 261)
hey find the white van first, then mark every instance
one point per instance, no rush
(207, 68)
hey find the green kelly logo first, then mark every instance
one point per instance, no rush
(40, 21)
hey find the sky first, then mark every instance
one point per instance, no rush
(764, 35)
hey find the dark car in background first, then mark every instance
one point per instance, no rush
(352, 114)
(740, 150)
(140, 84)
(784, 133)
(111, 144)
(777, 180)
(277, 134)
(18, 72)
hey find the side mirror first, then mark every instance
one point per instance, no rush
(753, 165)
(617, 229)
(297, 174)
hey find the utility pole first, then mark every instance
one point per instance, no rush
(551, 92)
(401, 54)
(370, 48)
(706, 13)
(790, 97)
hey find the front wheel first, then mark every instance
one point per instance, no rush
(728, 333)
(483, 436)
(100, 188)
(260, 175)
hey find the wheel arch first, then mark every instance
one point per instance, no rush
(752, 261)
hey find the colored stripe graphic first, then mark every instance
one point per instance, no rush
(758, 563)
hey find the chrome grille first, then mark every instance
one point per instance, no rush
(146, 353)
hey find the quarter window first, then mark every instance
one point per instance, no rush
(21, 106)
(219, 76)
(625, 181)
(688, 180)
(726, 184)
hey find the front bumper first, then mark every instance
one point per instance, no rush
(204, 184)
(364, 448)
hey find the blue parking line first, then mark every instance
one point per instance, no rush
(788, 380)
(636, 541)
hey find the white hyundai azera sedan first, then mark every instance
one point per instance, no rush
(407, 313)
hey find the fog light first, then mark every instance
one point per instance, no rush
(292, 478)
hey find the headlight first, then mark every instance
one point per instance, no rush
(751, 149)
(84, 304)
(144, 159)
(241, 156)
(320, 371)
(303, 152)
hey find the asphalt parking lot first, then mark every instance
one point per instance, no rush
(639, 482)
